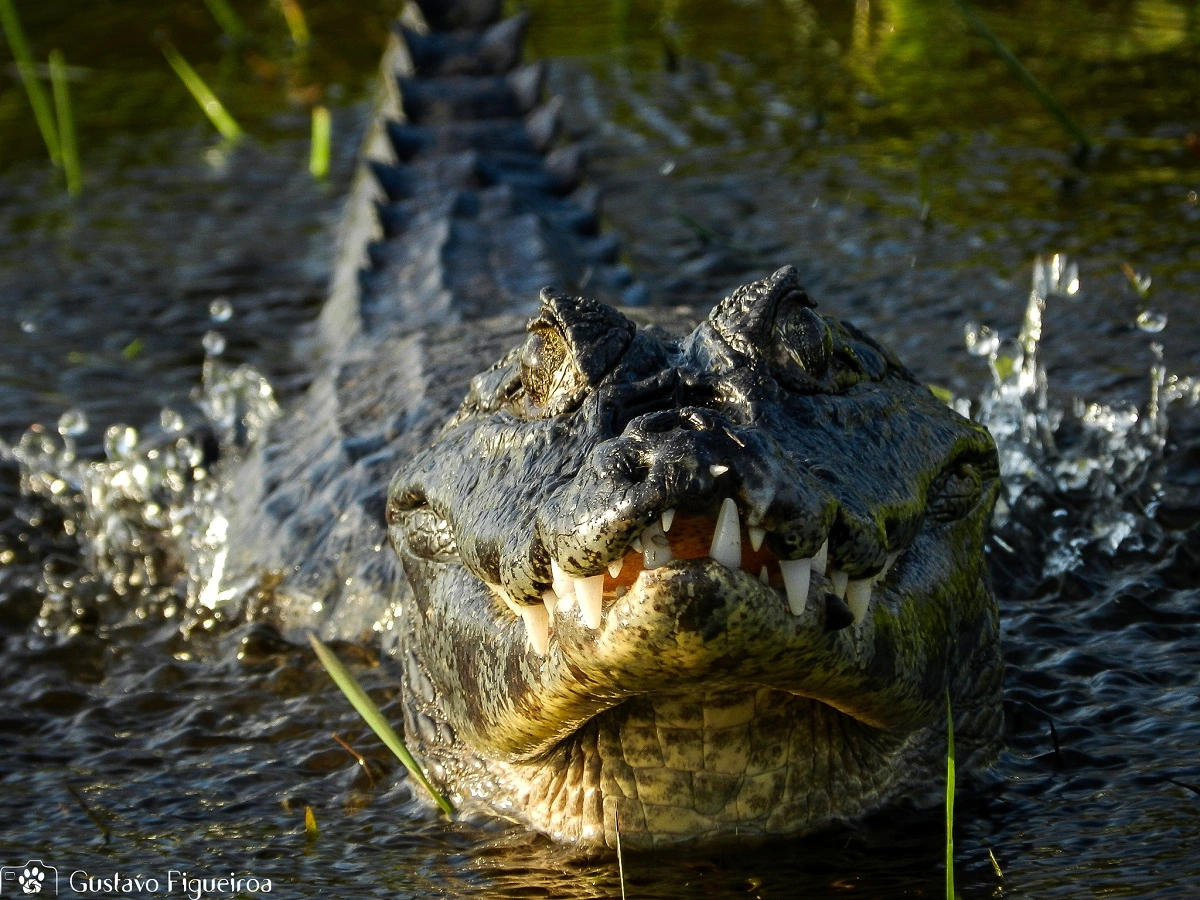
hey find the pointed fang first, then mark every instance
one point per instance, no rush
(763, 576)
(667, 518)
(840, 579)
(821, 561)
(561, 582)
(858, 597)
(796, 576)
(550, 599)
(756, 537)
(615, 567)
(656, 549)
(590, 594)
(727, 538)
(537, 627)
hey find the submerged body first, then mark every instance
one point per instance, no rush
(684, 586)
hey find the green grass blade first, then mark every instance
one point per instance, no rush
(318, 160)
(311, 831)
(1026, 77)
(620, 855)
(296, 23)
(33, 87)
(373, 717)
(66, 123)
(213, 108)
(228, 20)
(950, 895)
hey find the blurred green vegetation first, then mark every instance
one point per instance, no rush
(921, 62)
(888, 75)
(120, 83)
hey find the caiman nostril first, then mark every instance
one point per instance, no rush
(660, 423)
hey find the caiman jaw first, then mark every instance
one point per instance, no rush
(798, 581)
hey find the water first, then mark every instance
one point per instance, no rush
(147, 728)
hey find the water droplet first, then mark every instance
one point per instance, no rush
(29, 326)
(214, 343)
(72, 423)
(220, 310)
(170, 420)
(1151, 321)
(981, 340)
(119, 441)
(667, 167)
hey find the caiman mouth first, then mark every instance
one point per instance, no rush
(688, 601)
(669, 541)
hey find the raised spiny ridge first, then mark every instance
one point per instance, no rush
(464, 207)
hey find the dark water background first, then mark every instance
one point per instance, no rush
(881, 147)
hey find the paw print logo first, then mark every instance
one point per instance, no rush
(31, 879)
(34, 877)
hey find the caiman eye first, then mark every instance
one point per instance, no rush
(955, 492)
(802, 339)
(547, 368)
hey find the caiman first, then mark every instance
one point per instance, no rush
(688, 578)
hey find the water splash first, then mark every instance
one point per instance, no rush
(148, 517)
(1094, 467)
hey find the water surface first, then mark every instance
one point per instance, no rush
(882, 148)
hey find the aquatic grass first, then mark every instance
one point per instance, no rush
(318, 159)
(297, 25)
(213, 108)
(373, 717)
(228, 20)
(105, 832)
(66, 123)
(362, 760)
(1084, 149)
(950, 895)
(310, 824)
(15, 35)
(620, 855)
(133, 349)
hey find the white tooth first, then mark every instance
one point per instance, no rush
(796, 575)
(840, 579)
(888, 563)
(550, 599)
(756, 537)
(727, 538)
(615, 567)
(513, 606)
(858, 597)
(590, 593)
(561, 581)
(655, 546)
(667, 518)
(763, 576)
(821, 560)
(717, 471)
(537, 627)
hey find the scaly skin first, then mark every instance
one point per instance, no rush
(702, 705)
(685, 700)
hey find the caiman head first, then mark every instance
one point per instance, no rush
(695, 588)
